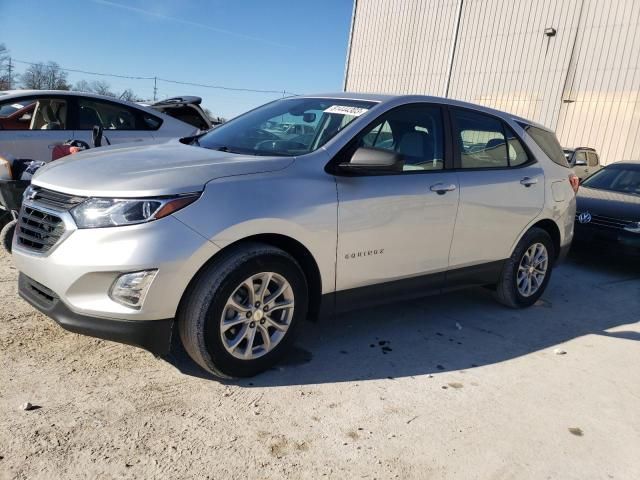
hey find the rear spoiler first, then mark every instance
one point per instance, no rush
(187, 100)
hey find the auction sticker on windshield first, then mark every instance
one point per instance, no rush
(346, 110)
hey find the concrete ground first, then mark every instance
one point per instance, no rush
(445, 387)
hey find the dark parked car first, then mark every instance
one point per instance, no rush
(584, 161)
(608, 207)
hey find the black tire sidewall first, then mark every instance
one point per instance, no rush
(535, 236)
(6, 235)
(222, 359)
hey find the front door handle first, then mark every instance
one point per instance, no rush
(441, 188)
(528, 181)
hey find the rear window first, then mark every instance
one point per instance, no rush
(548, 143)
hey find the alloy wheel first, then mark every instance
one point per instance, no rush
(532, 269)
(257, 315)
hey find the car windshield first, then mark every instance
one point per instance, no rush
(616, 178)
(287, 127)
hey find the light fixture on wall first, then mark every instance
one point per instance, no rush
(550, 32)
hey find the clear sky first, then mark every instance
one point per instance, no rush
(293, 45)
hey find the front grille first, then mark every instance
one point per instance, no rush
(49, 198)
(37, 230)
(607, 222)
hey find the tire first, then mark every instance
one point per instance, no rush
(5, 217)
(507, 290)
(6, 235)
(200, 315)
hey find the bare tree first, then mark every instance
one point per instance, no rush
(128, 95)
(102, 88)
(40, 76)
(82, 86)
(6, 76)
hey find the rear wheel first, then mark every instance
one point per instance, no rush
(6, 235)
(526, 273)
(242, 311)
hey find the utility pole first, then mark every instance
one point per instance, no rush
(155, 88)
(10, 70)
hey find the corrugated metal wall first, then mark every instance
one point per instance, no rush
(583, 81)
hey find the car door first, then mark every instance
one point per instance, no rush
(395, 229)
(121, 123)
(43, 125)
(501, 191)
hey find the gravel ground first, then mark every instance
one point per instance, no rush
(446, 387)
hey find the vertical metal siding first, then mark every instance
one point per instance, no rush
(584, 82)
(601, 104)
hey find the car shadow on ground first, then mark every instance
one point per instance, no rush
(589, 294)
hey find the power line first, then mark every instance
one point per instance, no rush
(129, 77)
(166, 80)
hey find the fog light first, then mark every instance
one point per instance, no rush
(130, 289)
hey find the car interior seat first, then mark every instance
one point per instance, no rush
(417, 148)
(51, 122)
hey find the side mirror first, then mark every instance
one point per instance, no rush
(579, 163)
(373, 160)
(309, 117)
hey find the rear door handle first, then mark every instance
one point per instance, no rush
(441, 188)
(528, 181)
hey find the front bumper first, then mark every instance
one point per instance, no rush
(625, 242)
(81, 268)
(152, 335)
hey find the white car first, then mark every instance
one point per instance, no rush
(33, 122)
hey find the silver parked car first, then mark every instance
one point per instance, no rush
(232, 238)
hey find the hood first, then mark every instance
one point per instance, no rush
(608, 204)
(148, 169)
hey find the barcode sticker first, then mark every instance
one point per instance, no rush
(346, 110)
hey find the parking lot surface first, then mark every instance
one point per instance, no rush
(455, 386)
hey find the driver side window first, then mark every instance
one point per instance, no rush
(414, 131)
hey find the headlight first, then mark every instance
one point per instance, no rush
(114, 212)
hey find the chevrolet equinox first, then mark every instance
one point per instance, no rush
(232, 238)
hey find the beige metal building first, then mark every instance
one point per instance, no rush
(572, 65)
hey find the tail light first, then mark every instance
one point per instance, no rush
(574, 181)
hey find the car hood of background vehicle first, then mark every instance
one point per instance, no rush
(608, 204)
(148, 169)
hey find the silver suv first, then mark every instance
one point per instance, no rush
(234, 237)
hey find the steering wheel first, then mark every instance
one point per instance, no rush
(260, 132)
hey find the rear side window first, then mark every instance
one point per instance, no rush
(111, 116)
(548, 143)
(517, 154)
(593, 159)
(481, 140)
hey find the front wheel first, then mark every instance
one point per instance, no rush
(6, 235)
(241, 313)
(526, 273)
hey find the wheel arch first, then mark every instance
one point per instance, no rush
(290, 245)
(553, 230)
